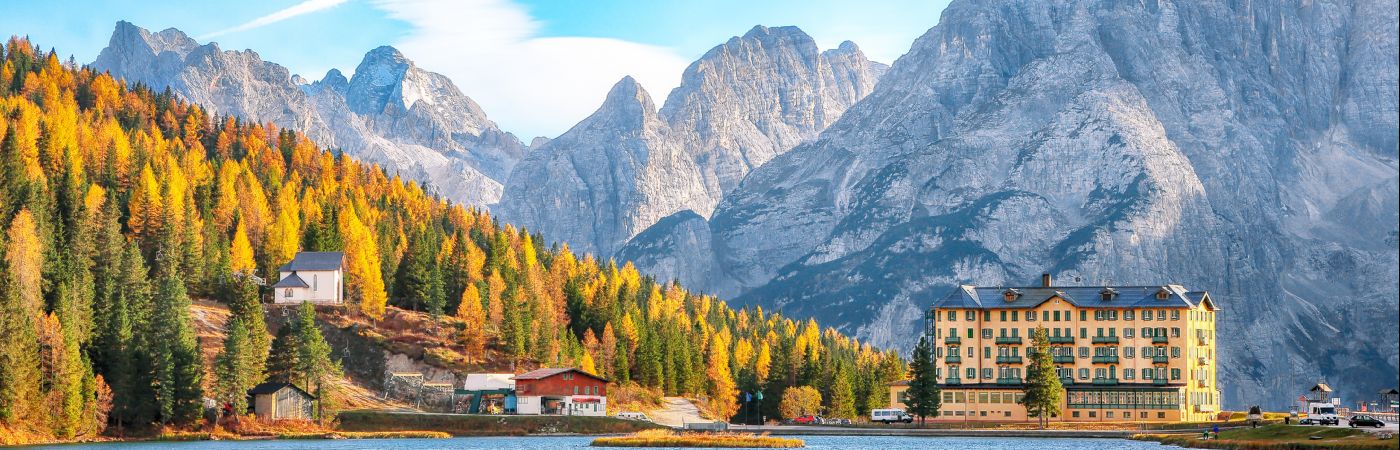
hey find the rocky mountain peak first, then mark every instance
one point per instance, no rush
(627, 105)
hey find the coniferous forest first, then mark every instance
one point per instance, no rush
(120, 205)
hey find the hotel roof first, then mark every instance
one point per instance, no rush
(974, 297)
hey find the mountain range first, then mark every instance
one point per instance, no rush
(1244, 148)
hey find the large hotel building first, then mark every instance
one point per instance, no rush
(1123, 353)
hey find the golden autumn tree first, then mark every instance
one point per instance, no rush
(473, 318)
(241, 252)
(364, 280)
(723, 394)
(21, 309)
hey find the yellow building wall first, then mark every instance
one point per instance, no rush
(1189, 365)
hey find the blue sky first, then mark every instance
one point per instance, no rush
(535, 66)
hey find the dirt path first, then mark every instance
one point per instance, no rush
(676, 411)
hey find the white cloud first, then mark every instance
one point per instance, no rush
(528, 84)
(305, 7)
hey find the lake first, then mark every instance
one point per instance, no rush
(522, 443)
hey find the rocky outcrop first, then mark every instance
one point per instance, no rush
(413, 122)
(737, 107)
(1243, 148)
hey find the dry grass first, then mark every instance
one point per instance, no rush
(634, 397)
(664, 438)
(1279, 437)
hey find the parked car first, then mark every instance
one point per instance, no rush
(807, 420)
(629, 415)
(1365, 421)
(1321, 420)
(888, 416)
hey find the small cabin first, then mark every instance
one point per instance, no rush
(314, 277)
(281, 401)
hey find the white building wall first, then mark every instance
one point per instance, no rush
(325, 287)
(599, 408)
(529, 404)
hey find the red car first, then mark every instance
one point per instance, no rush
(807, 420)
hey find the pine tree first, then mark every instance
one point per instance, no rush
(245, 305)
(21, 309)
(473, 317)
(723, 394)
(314, 366)
(843, 401)
(177, 363)
(1043, 391)
(923, 397)
(237, 367)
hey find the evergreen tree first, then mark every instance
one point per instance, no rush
(177, 363)
(923, 397)
(245, 305)
(314, 366)
(236, 368)
(843, 401)
(1043, 391)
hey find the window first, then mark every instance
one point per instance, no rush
(1128, 373)
(1146, 331)
(971, 352)
(1014, 314)
(1083, 352)
(1083, 333)
(1098, 332)
(986, 352)
(1176, 315)
(1084, 374)
(1161, 314)
(1128, 315)
(1083, 315)
(1128, 352)
(1057, 316)
(1147, 374)
(1176, 374)
(1098, 315)
(952, 316)
(971, 374)
(1161, 415)
(1003, 316)
(1001, 332)
(986, 374)
(1030, 316)
(1146, 314)
(987, 316)
(971, 316)
(575, 390)
(986, 333)
(1128, 332)
(1074, 413)
(288, 293)
(1176, 352)
(1176, 332)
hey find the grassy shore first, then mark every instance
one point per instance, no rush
(1279, 437)
(483, 425)
(664, 438)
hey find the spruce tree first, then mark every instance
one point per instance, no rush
(179, 367)
(923, 396)
(237, 368)
(843, 402)
(1043, 391)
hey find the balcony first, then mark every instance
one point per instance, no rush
(952, 340)
(1159, 359)
(953, 358)
(1106, 359)
(1066, 381)
(1202, 383)
(1009, 381)
(1009, 340)
(1064, 359)
(1105, 382)
(1159, 381)
(1159, 339)
(1061, 339)
(1105, 339)
(1008, 360)
(1202, 360)
(952, 381)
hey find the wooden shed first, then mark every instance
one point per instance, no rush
(281, 401)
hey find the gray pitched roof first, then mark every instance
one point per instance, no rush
(314, 261)
(974, 297)
(549, 372)
(274, 386)
(291, 281)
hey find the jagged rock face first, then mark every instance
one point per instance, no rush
(607, 178)
(741, 104)
(413, 122)
(759, 95)
(1248, 149)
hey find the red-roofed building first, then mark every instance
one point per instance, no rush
(565, 391)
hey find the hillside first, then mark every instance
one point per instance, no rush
(121, 204)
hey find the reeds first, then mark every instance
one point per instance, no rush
(665, 438)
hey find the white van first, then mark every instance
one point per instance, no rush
(890, 416)
(633, 416)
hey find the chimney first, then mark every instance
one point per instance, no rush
(1044, 280)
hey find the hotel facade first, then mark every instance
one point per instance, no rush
(1123, 353)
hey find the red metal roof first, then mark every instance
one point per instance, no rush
(538, 374)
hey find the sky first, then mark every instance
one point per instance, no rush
(535, 66)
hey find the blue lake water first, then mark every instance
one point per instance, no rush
(522, 443)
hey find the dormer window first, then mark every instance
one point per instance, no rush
(1163, 294)
(1010, 295)
(1108, 294)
